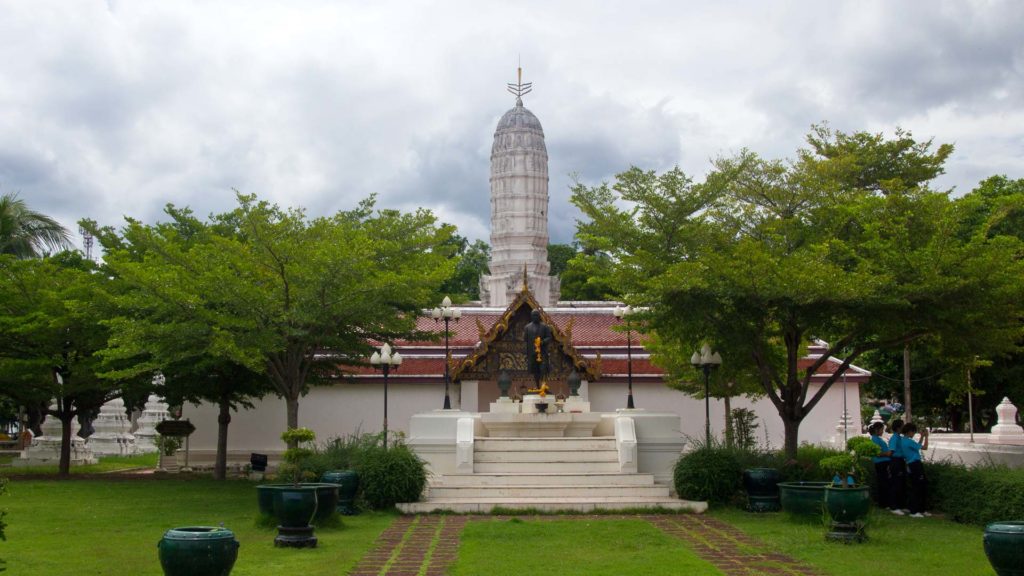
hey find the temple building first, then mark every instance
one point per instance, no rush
(486, 342)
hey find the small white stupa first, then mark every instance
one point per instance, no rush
(1006, 425)
(112, 435)
(154, 413)
(45, 449)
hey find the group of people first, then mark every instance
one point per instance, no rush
(898, 464)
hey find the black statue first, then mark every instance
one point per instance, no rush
(538, 362)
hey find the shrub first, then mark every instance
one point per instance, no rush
(342, 453)
(744, 423)
(979, 495)
(392, 475)
(708, 473)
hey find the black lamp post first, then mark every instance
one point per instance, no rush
(446, 313)
(622, 314)
(706, 361)
(385, 361)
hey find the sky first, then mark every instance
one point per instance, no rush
(116, 108)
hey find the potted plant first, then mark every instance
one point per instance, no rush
(167, 446)
(846, 500)
(297, 505)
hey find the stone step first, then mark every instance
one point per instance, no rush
(578, 491)
(571, 467)
(544, 479)
(544, 444)
(547, 456)
(486, 505)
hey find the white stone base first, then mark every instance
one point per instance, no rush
(505, 406)
(576, 404)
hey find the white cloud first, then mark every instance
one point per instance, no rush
(117, 108)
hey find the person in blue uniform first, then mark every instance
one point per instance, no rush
(915, 469)
(881, 465)
(897, 469)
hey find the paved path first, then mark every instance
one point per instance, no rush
(427, 545)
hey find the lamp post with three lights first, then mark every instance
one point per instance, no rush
(386, 361)
(622, 315)
(446, 313)
(706, 361)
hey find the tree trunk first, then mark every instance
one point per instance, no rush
(64, 469)
(220, 467)
(293, 415)
(729, 438)
(792, 438)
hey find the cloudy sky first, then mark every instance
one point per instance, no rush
(119, 107)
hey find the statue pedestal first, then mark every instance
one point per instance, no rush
(530, 402)
(504, 405)
(576, 404)
(539, 425)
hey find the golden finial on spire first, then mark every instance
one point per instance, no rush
(526, 285)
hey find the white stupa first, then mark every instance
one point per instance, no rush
(519, 209)
(112, 435)
(45, 449)
(154, 413)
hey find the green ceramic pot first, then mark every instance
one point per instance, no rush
(348, 484)
(198, 551)
(847, 508)
(1004, 546)
(762, 489)
(326, 497)
(803, 498)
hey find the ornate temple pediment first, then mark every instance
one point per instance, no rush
(502, 347)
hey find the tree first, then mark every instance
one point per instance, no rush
(289, 296)
(51, 328)
(25, 233)
(846, 243)
(150, 332)
(559, 256)
(472, 260)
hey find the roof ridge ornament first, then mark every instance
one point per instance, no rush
(519, 89)
(526, 283)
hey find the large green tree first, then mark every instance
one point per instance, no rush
(51, 330)
(25, 233)
(471, 261)
(846, 243)
(286, 295)
(151, 332)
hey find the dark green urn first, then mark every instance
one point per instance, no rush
(296, 508)
(1004, 546)
(348, 484)
(762, 489)
(198, 551)
(847, 507)
(803, 499)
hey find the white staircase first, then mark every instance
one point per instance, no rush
(546, 474)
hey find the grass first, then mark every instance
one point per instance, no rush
(111, 527)
(573, 547)
(901, 545)
(105, 465)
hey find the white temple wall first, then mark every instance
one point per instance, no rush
(342, 409)
(817, 428)
(330, 411)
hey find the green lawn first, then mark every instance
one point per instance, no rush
(568, 547)
(897, 545)
(111, 527)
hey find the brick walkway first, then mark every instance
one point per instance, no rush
(427, 545)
